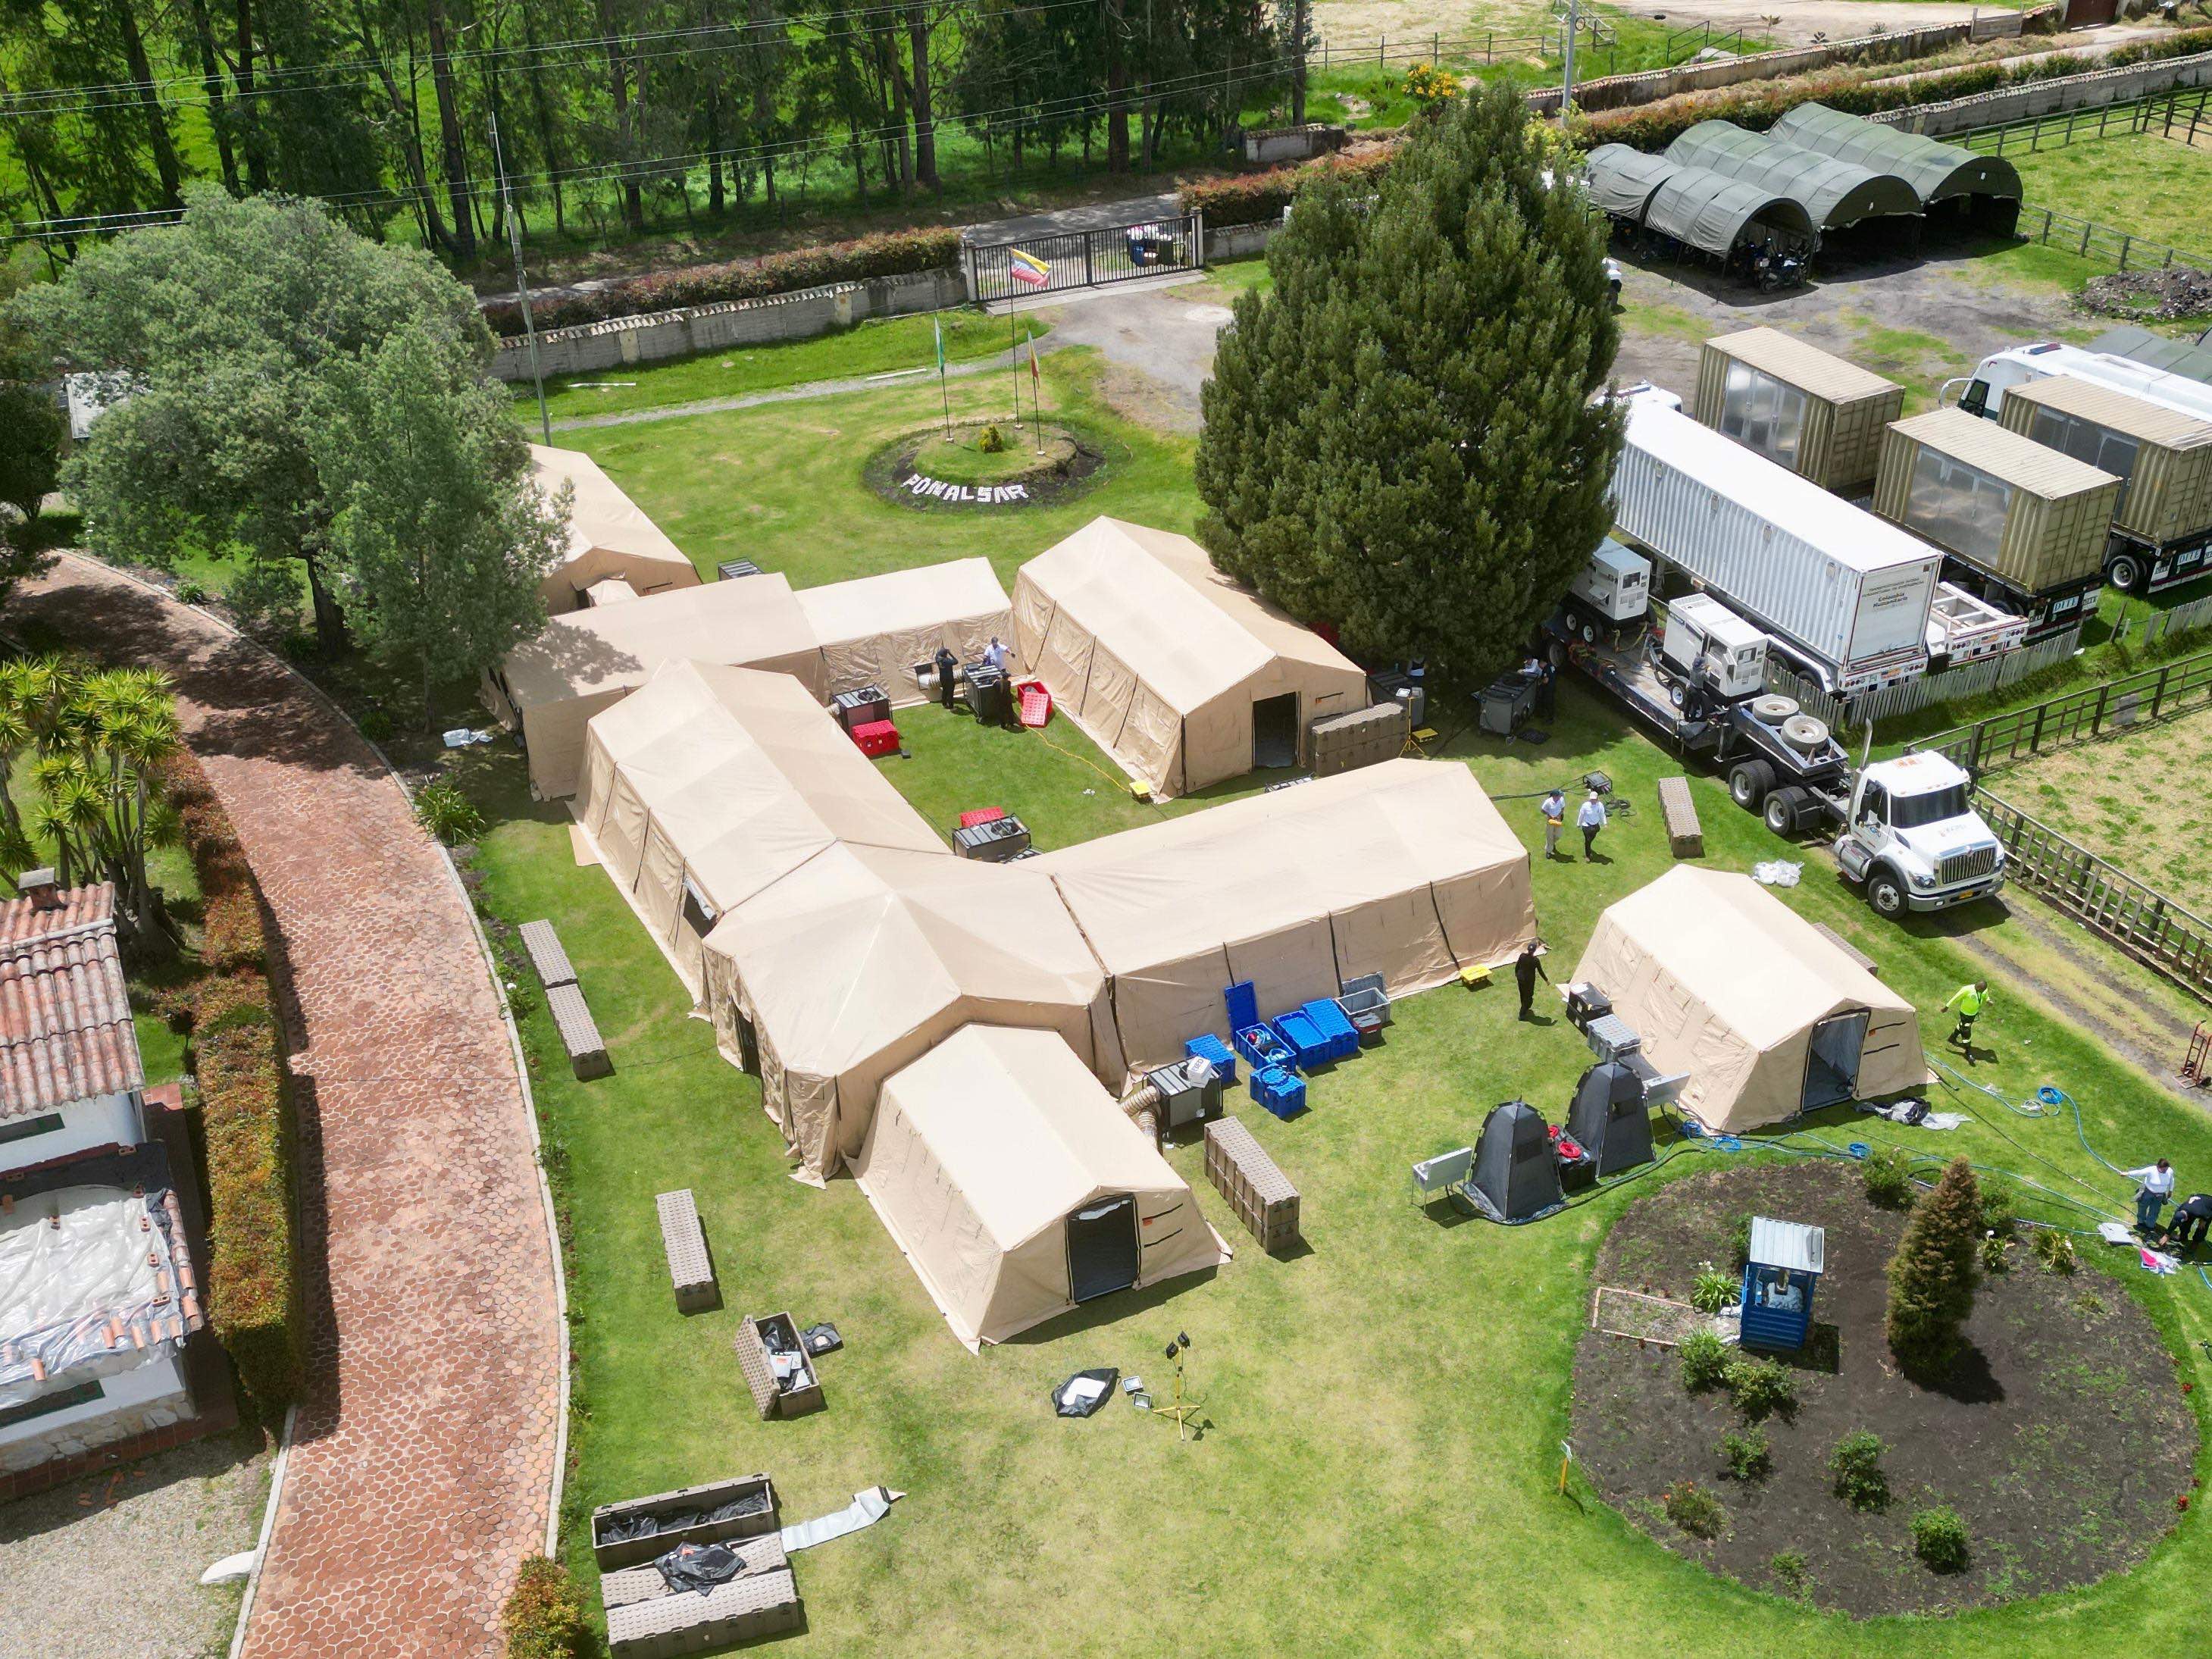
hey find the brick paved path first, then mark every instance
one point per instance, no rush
(423, 1465)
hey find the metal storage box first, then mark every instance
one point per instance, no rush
(1183, 1099)
(755, 1493)
(2169, 496)
(994, 841)
(1506, 704)
(859, 707)
(2004, 504)
(731, 569)
(1801, 407)
(1260, 1193)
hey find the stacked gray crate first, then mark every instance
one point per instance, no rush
(647, 1621)
(546, 955)
(1365, 737)
(690, 1268)
(564, 1000)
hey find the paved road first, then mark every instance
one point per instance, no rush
(423, 1467)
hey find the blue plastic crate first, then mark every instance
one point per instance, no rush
(1302, 1037)
(1243, 1004)
(1279, 1091)
(1260, 1045)
(1216, 1052)
(1335, 1027)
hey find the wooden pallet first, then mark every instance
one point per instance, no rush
(1685, 836)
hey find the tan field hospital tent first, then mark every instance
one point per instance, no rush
(1178, 672)
(1404, 869)
(861, 960)
(708, 785)
(1015, 1187)
(1766, 1015)
(873, 629)
(550, 686)
(608, 535)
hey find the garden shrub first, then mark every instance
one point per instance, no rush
(191, 593)
(1254, 198)
(1694, 1510)
(543, 1617)
(375, 725)
(1713, 1290)
(1745, 1455)
(1992, 1252)
(2054, 1251)
(448, 814)
(1740, 1243)
(2000, 1210)
(1792, 1570)
(1705, 1360)
(1939, 1538)
(1887, 1176)
(1761, 1388)
(231, 933)
(1933, 1274)
(1855, 1468)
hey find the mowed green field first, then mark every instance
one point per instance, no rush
(2153, 186)
(1381, 1415)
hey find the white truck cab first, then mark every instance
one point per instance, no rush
(1983, 392)
(1707, 645)
(1912, 837)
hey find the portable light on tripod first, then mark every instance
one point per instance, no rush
(1184, 1408)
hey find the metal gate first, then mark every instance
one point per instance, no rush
(1083, 258)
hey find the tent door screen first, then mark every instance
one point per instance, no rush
(1275, 731)
(1831, 1059)
(1102, 1248)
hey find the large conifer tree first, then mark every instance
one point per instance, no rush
(1399, 439)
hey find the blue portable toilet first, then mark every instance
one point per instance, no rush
(1780, 1278)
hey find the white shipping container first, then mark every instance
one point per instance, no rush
(1850, 592)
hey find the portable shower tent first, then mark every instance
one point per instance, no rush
(1514, 1177)
(1767, 1016)
(1833, 193)
(873, 629)
(1015, 1187)
(861, 961)
(550, 686)
(1183, 677)
(608, 535)
(1608, 1118)
(1403, 869)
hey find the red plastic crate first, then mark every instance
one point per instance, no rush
(982, 815)
(1036, 703)
(875, 738)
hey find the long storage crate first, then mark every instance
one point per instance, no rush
(1260, 1193)
(690, 1269)
(648, 1620)
(1365, 737)
(1685, 836)
(681, 1519)
(756, 1336)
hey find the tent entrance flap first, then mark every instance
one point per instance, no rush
(1102, 1248)
(1831, 1059)
(1275, 731)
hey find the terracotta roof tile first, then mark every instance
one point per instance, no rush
(66, 1031)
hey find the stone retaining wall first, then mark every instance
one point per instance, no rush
(2090, 90)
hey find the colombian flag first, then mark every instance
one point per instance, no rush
(1027, 268)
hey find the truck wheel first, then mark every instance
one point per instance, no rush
(1886, 894)
(1785, 811)
(1676, 695)
(2126, 572)
(1748, 783)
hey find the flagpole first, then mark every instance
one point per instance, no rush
(1014, 347)
(944, 386)
(1036, 400)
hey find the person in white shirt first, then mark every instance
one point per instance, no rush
(2153, 1186)
(1554, 809)
(1589, 820)
(996, 655)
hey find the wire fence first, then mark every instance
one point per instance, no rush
(2141, 920)
(2182, 115)
(1593, 36)
(2121, 249)
(1973, 679)
(2082, 716)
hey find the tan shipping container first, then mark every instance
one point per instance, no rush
(2165, 456)
(2029, 515)
(1796, 404)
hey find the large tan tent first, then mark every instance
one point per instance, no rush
(708, 785)
(550, 686)
(1185, 677)
(608, 535)
(1016, 1188)
(873, 629)
(1404, 869)
(861, 960)
(1766, 1014)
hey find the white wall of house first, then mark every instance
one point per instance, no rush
(150, 1395)
(102, 1121)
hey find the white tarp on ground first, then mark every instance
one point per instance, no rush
(1404, 869)
(979, 1154)
(590, 659)
(1724, 981)
(708, 785)
(1161, 658)
(862, 960)
(609, 534)
(873, 629)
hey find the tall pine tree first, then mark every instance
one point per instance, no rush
(1933, 1274)
(1400, 440)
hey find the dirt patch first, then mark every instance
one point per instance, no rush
(1068, 468)
(2064, 1442)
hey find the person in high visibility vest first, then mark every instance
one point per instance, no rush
(1969, 999)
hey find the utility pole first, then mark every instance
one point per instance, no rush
(521, 282)
(1567, 91)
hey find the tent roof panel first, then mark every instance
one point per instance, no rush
(1936, 171)
(755, 621)
(2004, 455)
(600, 515)
(1832, 192)
(898, 600)
(2139, 345)
(1622, 180)
(1709, 210)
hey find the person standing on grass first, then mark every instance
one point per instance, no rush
(2153, 1186)
(1590, 819)
(1554, 809)
(1969, 999)
(948, 667)
(1527, 966)
(996, 655)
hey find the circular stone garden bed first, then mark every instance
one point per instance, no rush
(984, 466)
(2063, 1440)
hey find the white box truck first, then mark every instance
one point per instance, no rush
(1845, 596)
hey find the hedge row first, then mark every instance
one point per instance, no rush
(892, 253)
(1253, 198)
(1757, 105)
(237, 1062)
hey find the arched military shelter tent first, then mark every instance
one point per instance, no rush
(1833, 193)
(1016, 1189)
(1716, 214)
(1622, 181)
(1989, 185)
(2139, 345)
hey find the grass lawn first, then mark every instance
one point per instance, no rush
(878, 346)
(2140, 182)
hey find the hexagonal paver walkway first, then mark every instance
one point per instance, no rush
(422, 1463)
